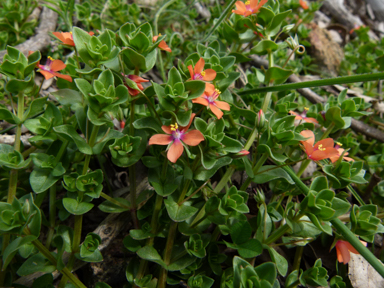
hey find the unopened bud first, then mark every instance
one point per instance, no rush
(122, 124)
(26, 208)
(241, 153)
(259, 196)
(260, 120)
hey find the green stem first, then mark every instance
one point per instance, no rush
(259, 163)
(356, 195)
(150, 241)
(277, 234)
(328, 131)
(231, 169)
(65, 271)
(167, 255)
(52, 215)
(224, 180)
(114, 201)
(221, 19)
(316, 83)
(171, 240)
(13, 176)
(79, 218)
(303, 166)
(266, 102)
(297, 260)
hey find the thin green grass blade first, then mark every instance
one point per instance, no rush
(316, 83)
(221, 19)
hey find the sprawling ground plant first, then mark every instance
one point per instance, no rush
(208, 120)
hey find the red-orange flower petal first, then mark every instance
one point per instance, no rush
(57, 65)
(343, 250)
(201, 101)
(190, 68)
(65, 37)
(47, 75)
(216, 111)
(62, 76)
(199, 67)
(193, 138)
(175, 151)
(166, 129)
(160, 139)
(210, 74)
(223, 105)
(308, 134)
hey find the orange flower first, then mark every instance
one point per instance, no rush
(304, 117)
(138, 80)
(303, 4)
(343, 249)
(319, 151)
(67, 37)
(51, 67)
(209, 99)
(198, 73)
(162, 44)
(340, 152)
(249, 7)
(176, 137)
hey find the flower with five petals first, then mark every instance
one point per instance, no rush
(163, 45)
(198, 72)
(249, 7)
(209, 99)
(51, 67)
(343, 250)
(176, 137)
(321, 150)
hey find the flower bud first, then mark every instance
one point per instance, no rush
(260, 120)
(26, 208)
(259, 196)
(241, 153)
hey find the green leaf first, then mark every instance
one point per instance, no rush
(36, 263)
(14, 246)
(264, 46)
(195, 88)
(149, 253)
(133, 59)
(69, 97)
(277, 75)
(270, 175)
(42, 179)
(179, 213)
(68, 132)
(274, 27)
(147, 122)
(240, 232)
(35, 107)
(81, 39)
(76, 208)
(279, 260)
(8, 116)
(203, 174)
(111, 207)
(250, 249)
